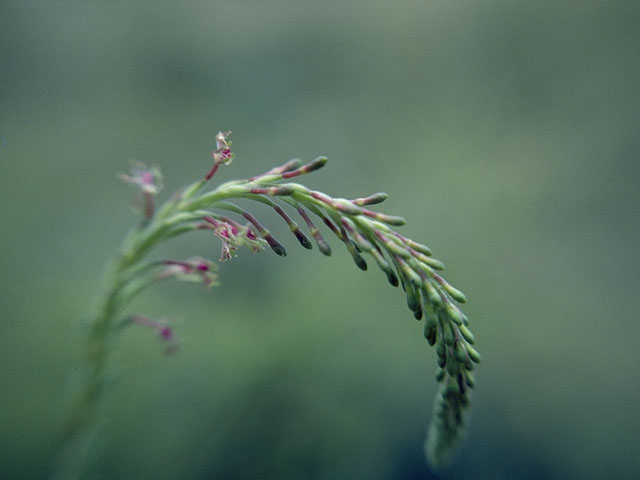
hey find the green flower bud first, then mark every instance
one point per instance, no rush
(452, 367)
(470, 380)
(461, 352)
(454, 314)
(430, 330)
(432, 294)
(447, 333)
(473, 354)
(466, 333)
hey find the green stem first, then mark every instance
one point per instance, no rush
(78, 453)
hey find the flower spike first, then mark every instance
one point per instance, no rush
(364, 232)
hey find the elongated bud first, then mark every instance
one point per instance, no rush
(447, 333)
(362, 243)
(473, 354)
(452, 367)
(461, 352)
(293, 226)
(432, 294)
(371, 199)
(275, 245)
(412, 299)
(454, 292)
(466, 334)
(340, 204)
(357, 258)
(323, 246)
(388, 219)
(303, 239)
(454, 314)
(384, 266)
(414, 245)
(430, 261)
(332, 227)
(312, 166)
(440, 374)
(285, 167)
(391, 246)
(470, 379)
(430, 329)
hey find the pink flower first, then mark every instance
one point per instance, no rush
(163, 329)
(194, 269)
(148, 179)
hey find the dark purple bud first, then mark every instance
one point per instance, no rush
(303, 239)
(293, 226)
(357, 258)
(275, 245)
(323, 246)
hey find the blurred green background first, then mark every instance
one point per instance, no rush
(506, 134)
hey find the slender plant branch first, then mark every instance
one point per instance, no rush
(364, 233)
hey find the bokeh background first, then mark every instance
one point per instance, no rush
(505, 133)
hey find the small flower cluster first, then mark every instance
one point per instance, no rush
(233, 236)
(222, 155)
